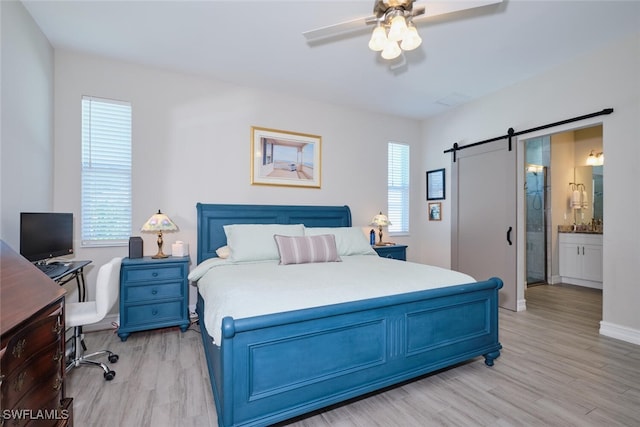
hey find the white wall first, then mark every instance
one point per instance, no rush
(607, 78)
(191, 143)
(27, 120)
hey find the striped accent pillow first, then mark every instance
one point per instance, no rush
(306, 249)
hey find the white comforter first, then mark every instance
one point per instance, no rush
(243, 290)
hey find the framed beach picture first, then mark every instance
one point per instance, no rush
(435, 185)
(435, 211)
(280, 157)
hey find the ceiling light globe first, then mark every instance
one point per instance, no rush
(411, 39)
(391, 50)
(378, 39)
(398, 28)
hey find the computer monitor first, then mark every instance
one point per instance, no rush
(45, 235)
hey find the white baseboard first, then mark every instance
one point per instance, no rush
(623, 333)
(521, 305)
(104, 324)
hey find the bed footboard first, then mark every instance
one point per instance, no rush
(271, 368)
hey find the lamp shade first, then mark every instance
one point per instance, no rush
(378, 39)
(380, 220)
(411, 39)
(391, 50)
(398, 28)
(159, 222)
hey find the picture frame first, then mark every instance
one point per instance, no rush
(435, 211)
(436, 189)
(281, 157)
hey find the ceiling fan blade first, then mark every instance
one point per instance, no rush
(430, 10)
(437, 8)
(336, 30)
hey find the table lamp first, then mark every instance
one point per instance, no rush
(158, 223)
(380, 220)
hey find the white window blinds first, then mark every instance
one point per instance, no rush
(398, 188)
(106, 172)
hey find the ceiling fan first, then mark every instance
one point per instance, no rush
(394, 22)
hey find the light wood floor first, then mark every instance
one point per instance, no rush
(555, 370)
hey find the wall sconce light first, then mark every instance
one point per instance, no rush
(595, 159)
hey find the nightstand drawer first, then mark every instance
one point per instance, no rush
(152, 292)
(398, 252)
(153, 313)
(168, 272)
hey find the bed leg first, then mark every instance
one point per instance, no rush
(490, 357)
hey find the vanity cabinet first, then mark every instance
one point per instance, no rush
(580, 256)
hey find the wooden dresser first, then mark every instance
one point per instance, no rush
(32, 346)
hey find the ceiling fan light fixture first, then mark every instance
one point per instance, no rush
(378, 39)
(398, 28)
(391, 50)
(411, 39)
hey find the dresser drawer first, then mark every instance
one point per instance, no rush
(47, 397)
(137, 315)
(29, 341)
(166, 272)
(42, 366)
(152, 292)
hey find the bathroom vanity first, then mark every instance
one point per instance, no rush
(580, 256)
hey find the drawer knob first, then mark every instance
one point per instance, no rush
(154, 291)
(19, 348)
(58, 355)
(154, 311)
(19, 381)
(154, 274)
(57, 384)
(57, 328)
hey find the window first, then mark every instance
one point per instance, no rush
(398, 188)
(106, 172)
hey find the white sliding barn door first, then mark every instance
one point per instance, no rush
(484, 215)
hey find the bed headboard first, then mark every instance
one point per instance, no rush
(212, 217)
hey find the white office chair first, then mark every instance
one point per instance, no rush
(78, 314)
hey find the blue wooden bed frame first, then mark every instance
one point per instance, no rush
(275, 367)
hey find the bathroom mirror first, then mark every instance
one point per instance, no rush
(591, 177)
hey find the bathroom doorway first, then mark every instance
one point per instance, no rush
(537, 161)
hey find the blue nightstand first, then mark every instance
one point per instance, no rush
(392, 251)
(154, 294)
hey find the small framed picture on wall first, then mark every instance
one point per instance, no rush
(435, 185)
(435, 211)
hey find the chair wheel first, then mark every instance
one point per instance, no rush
(113, 358)
(109, 375)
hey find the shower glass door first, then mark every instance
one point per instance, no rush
(536, 181)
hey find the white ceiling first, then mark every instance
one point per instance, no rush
(259, 43)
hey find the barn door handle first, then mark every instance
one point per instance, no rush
(509, 236)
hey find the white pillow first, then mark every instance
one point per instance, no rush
(254, 242)
(349, 240)
(223, 252)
